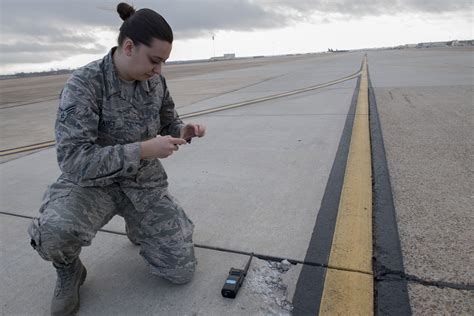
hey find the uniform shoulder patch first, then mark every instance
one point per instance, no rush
(64, 113)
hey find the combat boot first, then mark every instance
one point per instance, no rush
(66, 294)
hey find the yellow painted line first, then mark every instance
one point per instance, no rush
(271, 97)
(51, 143)
(8, 152)
(351, 293)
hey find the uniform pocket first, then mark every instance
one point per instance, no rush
(165, 222)
(58, 190)
(153, 127)
(111, 120)
(35, 234)
(187, 227)
(111, 123)
(55, 191)
(151, 114)
(33, 231)
(185, 224)
(151, 174)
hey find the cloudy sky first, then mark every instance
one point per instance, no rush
(50, 34)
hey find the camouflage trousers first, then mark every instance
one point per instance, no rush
(71, 216)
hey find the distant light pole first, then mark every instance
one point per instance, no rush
(213, 48)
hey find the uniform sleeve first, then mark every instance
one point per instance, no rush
(170, 121)
(76, 131)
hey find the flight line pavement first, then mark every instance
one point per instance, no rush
(424, 98)
(189, 84)
(254, 183)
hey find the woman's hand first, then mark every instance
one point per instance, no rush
(192, 130)
(160, 146)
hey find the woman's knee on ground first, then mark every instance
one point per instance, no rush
(179, 275)
(176, 264)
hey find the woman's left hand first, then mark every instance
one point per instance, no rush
(191, 130)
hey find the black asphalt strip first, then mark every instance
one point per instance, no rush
(391, 296)
(310, 285)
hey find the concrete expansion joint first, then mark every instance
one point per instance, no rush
(257, 255)
(385, 274)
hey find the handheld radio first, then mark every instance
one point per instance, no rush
(234, 280)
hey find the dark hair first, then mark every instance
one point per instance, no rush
(142, 26)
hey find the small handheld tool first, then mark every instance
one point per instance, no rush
(234, 280)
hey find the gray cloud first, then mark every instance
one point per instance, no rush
(436, 6)
(33, 52)
(60, 29)
(190, 17)
(355, 8)
(43, 33)
(37, 57)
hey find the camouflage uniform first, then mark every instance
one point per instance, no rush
(98, 129)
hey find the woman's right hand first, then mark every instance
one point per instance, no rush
(160, 146)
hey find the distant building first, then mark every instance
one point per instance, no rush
(461, 43)
(224, 57)
(446, 44)
(432, 44)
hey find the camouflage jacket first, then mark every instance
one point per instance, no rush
(99, 126)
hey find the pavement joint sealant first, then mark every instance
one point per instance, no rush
(385, 274)
(257, 255)
(382, 273)
(389, 297)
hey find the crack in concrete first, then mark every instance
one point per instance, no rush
(386, 274)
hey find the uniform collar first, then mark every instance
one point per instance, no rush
(111, 75)
(113, 82)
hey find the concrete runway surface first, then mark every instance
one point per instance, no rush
(267, 178)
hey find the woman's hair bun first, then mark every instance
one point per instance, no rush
(125, 10)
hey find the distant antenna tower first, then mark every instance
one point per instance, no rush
(213, 36)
